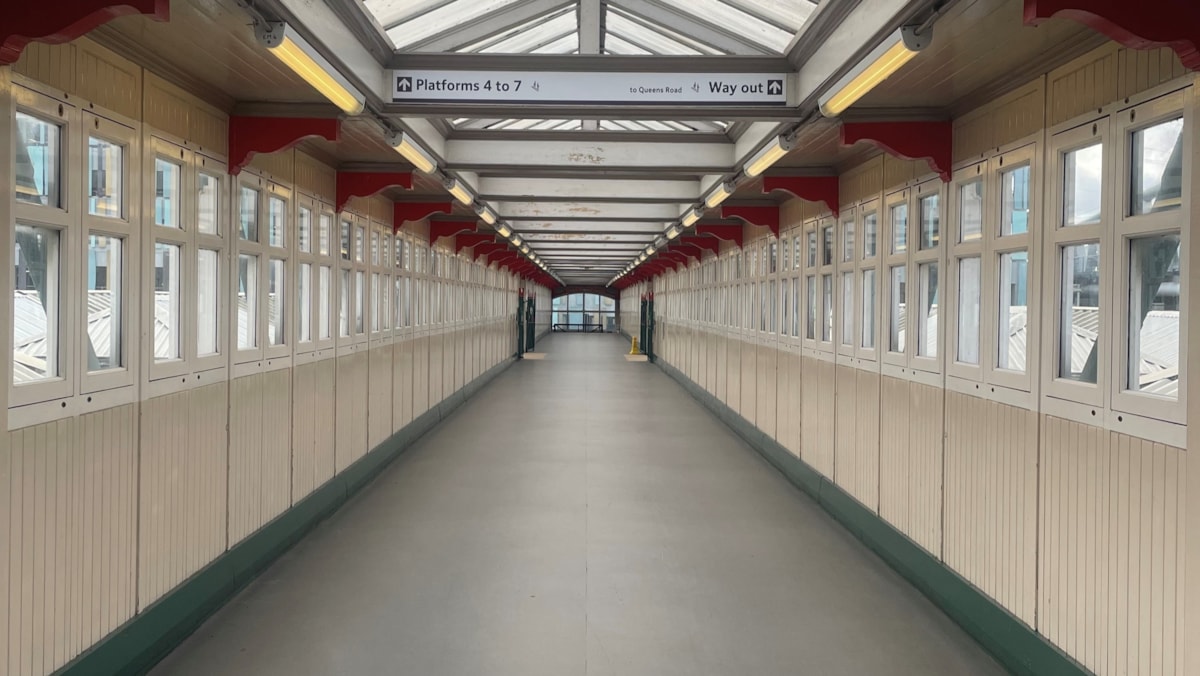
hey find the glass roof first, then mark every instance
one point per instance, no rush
(677, 27)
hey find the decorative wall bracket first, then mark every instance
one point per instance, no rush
(405, 212)
(728, 233)
(367, 183)
(1137, 25)
(703, 243)
(249, 136)
(823, 189)
(440, 229)
(472, 240)
(765, 217)
(26, 21)
(909, 140)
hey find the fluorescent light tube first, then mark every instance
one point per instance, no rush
(719, 194)
(415, 154)
(689, 219)
(486, 214)
(673, 231)
(884, 60)
(460, 193)
(768, 155)
(504, 230)
(296, 53)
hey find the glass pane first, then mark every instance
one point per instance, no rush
(785, 264)
(1014, 212)
(324, 278)
(931, 222)
(39, 161)
(898, 318)
(167, 338)
(276, 301)
(166, 193)
(324, 225)
(248, 214)
(1083, 171)
(104, 302)
(592, 301)
(276, 221)
(401, 259)
(810, 320)
(968, 310)
(304, 230)
(1154, 285)
(812, 249)
(208, 207)
(359, 298)
(360, 243)
(1014, 311)
(398, 303)
(796, 244)
(35, 304)
(827, 308)
(374, 248)
(899, 228)
(774, 257)
(928, 336)
(375, 300)
(970, 211)
(774, 326)
(1079, 325)
(868, 309)
(346, 240)
(796, 307)
(870, 232)
(848, 307)
(785, 324)
(208, 305)
(827, 245)
(247, 301)
(344, 306)
(1157, 176)
(105, 170)
(848, 241)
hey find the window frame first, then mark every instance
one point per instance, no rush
(960, 250)
(279, 354)
(862, 264)
(997, 244)
(159, 147)
(846, 263)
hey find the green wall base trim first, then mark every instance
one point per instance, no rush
(1013, 643)
(149, 636)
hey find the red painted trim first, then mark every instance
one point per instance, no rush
(1149, 24)
(823, 189)
(404, 212)
(729, 233)
(472, 240)
(440, 229)
(703, 243)
(249, 136)
(61, 21)
(766, 217)
(487, 249)
(689, 250)
(367, 183)
(929, 141)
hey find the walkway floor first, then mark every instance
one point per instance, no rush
(581, 515)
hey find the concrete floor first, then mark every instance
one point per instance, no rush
(581, 515)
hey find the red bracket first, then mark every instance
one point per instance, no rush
(929, 141)
(504, 257)
(689, 250)
(249, 136)
(440, 229)
(367, 183)
(472, 239)
(676, 256)
(65, 20)
(729, 233)
(812, 188)
(1137, 25)
(404, 212)
(766, 217)
(487, 249)
(703, 243)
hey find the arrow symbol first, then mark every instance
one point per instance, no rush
(775, 87)
(404, 84)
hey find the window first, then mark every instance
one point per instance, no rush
(899, 226)
(927, 336)
(848, 308)
(868, 309)
(208, 204)
(37, 345)
(898, 291)
(105, 326)
(248, 199)
(1152, 362)
(38, 161)
(324, 289)
(208, 298)
(166, 193)
(247, 302)
(105, 177)
(276, 297)
(930, 222)
(168, 343)
(969, 279)
(1079, 335)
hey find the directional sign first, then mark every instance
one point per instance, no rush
(650, 89)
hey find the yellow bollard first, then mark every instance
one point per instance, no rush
(634, 348)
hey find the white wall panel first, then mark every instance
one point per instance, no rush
(379, 403)
(351, 409)
(910, 486)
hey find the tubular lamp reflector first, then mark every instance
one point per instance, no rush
(504, 230)
(460, 193)
(673, 232)
(690, 218)
(718, 195)
(767, 156)
(486, 215)
(884, 60)
(294, 51)
(415, 154)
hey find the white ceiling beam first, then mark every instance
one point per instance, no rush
(597, 227)
(697, 157)
(487, 25)
(587, 211)
(704, 32)
(585, 239)
(501, 188)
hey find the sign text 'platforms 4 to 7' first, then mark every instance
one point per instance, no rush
(651, 89)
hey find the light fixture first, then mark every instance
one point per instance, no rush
(642, 257)
(689, 219)
(719, 194)
(525, 249)
(456, 188)
(516, 240)
(415, 154)
(768, 155)
(673, 231)
(660, 242)
(503, 230)
(486, 214)
(884, 60)
(294, 51)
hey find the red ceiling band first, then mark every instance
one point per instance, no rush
(62, 21)
(249, 136)
(367, 183)
(929, 141)
(1149, 24)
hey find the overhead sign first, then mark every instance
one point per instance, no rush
(559, 87)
